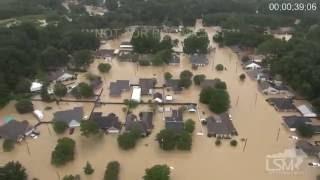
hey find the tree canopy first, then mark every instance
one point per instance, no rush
(157, 172)
(196, 43)
(112, 171)
(13, 171)
(88, 128)
(217, 99)
(63, 152)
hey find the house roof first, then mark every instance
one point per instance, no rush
(106, 122)
(54, 75)
(147, 85)
(198, 59)
(175, 121)
(69, 115)
(104, 53)
(308, 148)
(147, 119)
(209, 83)
(174, 84)
(282, 104)
(306, 111)
(14, 129)
(96, 83)
(295, 121)
(157, 95)
(220, 124)
(117, 87)
(125, 43)
(144, 124)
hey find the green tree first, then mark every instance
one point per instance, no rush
(23, 86)
(89, 128)
(305, 130)
(131, 103)
(83, 90)
(220, 101)
(218, 142)
(196, 43)
(145, 41)
(24, 106)
(198, 79)
(220, 84)
(184, 141)
(63, 152)
(88, 169)
(219, 67)
(112, 171)
(53, 57)
(13, 171)
(104, 67)
(157, 172)
(8, 145)
(129, 139)
(111, 4)
(233, 142)
(186, 74)
(242, 77)
(161, 57)
(185, 79)
(82, 58)
(44, 93)
(71, 177)
(189, 126)
(59, 126)
(167, 139)
(60, 89)
(167, 76)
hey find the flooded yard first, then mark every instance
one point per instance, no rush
(253, 118)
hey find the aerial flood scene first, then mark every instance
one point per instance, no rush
(159, 90)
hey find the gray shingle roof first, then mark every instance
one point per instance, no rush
(282, 104)
(14, 129)
(69, 115)
(174, 84)
(147, 85)
(295, 121)
(175, 121)
(220, 125)
(199, 59)
(116, 88)
(106, 122)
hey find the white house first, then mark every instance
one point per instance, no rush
(136, 93)
(169, 98)
(252, 66)
(35, 86)
(306, 111)
(65, 77)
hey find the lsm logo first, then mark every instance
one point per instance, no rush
(289, 162)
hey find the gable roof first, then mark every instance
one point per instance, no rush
(282, 104)
(104, 53)
(308, 148)
(157, 95)
(306, 111)
(209, 83)
(174, 84)
(144, 124)
(147, 85)
(117, 87)
(106, 122)
(147, 119)
(220, 125)
(14, 129)
(199, 59)
(175, 121)
(295, 121)
(69, 115)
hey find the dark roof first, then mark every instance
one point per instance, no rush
(104, 53)
(53, 75)
(144, 124)
(316, 129)
(157, 95)
(174, 84)
(209, 83)
(198, 59)
(147, 85)
(117, 87)
(220, 125)
(14, 129)
(295, 121)
(308, 148)
(175, 59)
(106, 122)
(175, 121)
(69, 115)
(282, 104)
(125, 43)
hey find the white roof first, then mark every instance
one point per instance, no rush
(38, 114)
(169, 98)
(306, 111)
(253, 65)
(136, 93)
(65, 76)
(74, 123)
(35, 86)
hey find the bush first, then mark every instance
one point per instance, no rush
(60, 127)
(167, 76)
(198, 79)
(131, 103)
(217, 99)
(219, 67)
(63, 152)
(88, 169)
(128, 140)
(89, 128)
(24, 106)
(189, 126)
(104, 67)
(60, 89)
(8, 145)
(233, 143)
(71, 177)
(112, 171)
(144, 63)
(83, 90)
(167, 139)
(218, 142)
(184, 141)
(242, 77)
(157, 172)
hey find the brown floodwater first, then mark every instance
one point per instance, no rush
(254, 119)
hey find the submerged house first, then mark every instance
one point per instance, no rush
(105, 54)
(143, 123)
(72, 117)
(199, 60)
(109, 123)
(221, 126)
(175, 121)
(293, 122)
(174, 60)
(272, 89)
(157, 97)
(308, 148)
(147, 86)
(15, 130)
(282, 104)
(118, 87)
(173, 85)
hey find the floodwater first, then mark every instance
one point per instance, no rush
(254, 119)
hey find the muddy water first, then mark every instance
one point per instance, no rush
(254, 119)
